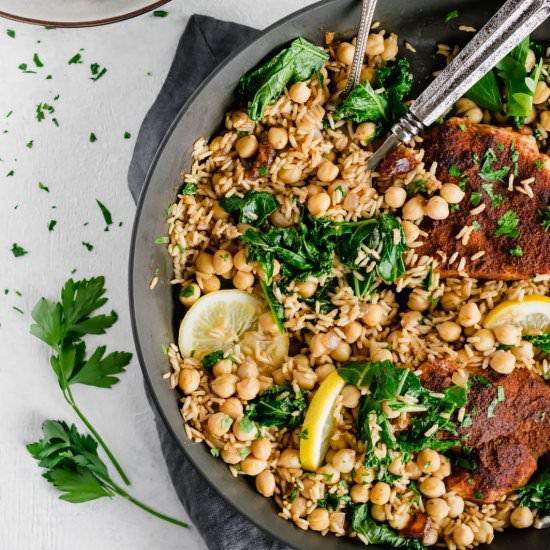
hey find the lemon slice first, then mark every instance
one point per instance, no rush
(532, 314)
(319, 422)
(221, 319)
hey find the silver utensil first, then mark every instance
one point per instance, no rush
(506, 29)
(367, 13)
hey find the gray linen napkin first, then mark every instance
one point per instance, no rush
(204, 44)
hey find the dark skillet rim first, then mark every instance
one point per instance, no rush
(82, 24)
(133, 318)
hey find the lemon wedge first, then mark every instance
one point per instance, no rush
(221, 319)
(319, 422)
(532, 314)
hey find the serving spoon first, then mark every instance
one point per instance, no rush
(515, 20)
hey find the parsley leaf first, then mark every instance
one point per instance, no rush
(516, 251)
(545, 215)
(451, 15)
(475, 198)
(97, 71)
(160, 13)
(537, 493)
(209, 360)
(541, 341)
(507, 225)
(75, 59)
(253, 209)
(496, 198)
(487, 172)
(106, 214)
(52, 225)
(17, 250)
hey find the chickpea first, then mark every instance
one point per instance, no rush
(378, 512)
(451, 193)
(244, 429)
(299, 92)
(344, 460)
(509, 335)
(248, 388)
(437, 208)
(225, 385)
(350, 396)
(327, 171)
(218, 424)
(474, 115)
(445, 469)
(531, 117)
(318, 204)
(367, 73)
(243, 280)
(449, 331)
(437, 509)
(280, 377)
(189, 380)
(353, 332)
(469, 315)
(231, 455)
(298, 507)
(430, 537)
(246, 146)
(418, 300)
(261, 448)
(521, 517)
(323, 371)
(305, 378)
(412, 470)
(411, 231)
(318, 519)
(396, 466)
(388, 411)
(432, 487)
(277, 137)
(359, 493)
(380, 493)
(253, 466)
(232, 407)
(317, 346)
(341, 352)
(374, 315)
(428, 461)
(289, 458)
(267, 323)
(307, 288)
(485, 340)
(502, 362)
(239, 261)
(210, 283)
(290, 173)
(411, 319)
(381, 354)
(365, 131)
(400, 520)
(330, 473)
(265, 483)
(248, 369)
(485, 533)
(225, 366)
(345, 53)
(456, 505)
(390, 48)
(463, 535)
(222, 261)
(205, 263)
(219, 213)
(413, 209)
(542, 93)
(375, 45)
(189, 294)
(545, 120)
(395, 196)
(530, 60)
(524, 351)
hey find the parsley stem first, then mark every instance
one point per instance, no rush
(70, 399)
(121, 492)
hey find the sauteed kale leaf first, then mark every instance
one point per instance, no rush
(537, 493)
(254, 208)
(262, 86)
(363, 104)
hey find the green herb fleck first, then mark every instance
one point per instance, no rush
(507, 225)
(214, 452)
(88, 246)
(210, 359)
(160, 13)
(499, 398)
(106, 214)
(164, 239)
(93, 137)
(454, 171)
(539, 164)
(43, 187)
(52, 224)
(451, 15)
(37, 60)
(17, 250)
(516, 251)
(127, 135)
(75, 59)
(475, 198)
(188, 189)
(10, 33)
(496, 198)
(30, 144)
(97, 71)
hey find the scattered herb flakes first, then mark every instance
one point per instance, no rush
(499, 398)
(545, 218)
(49, 77)
(75, 59)
(417, 186)
(215, 452)
(10, 173)
(127, 135)
(516, 251)
(451, 15)
(475, 198)
(9, 114)
(539, 164)
(189, 189)
(52, 225)
(162, 240)
(454, 171)
(475, 225)
(106, 214)
(43, 187)
(89, 247)
(17, 250)
(500, 147)
(487, 172)
(507, 225)
(10, 33)
(29, 144)
(160, 13)
(18, 310)
(496, 198)
(42, 109)
(23, 67)
(93, 137)
(97, 71)
(37, 61)
(454, 208)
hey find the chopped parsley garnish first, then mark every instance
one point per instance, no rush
(42, 109)
(52, 224)
(89, 247)
(304, 435)
(162, 240)
(75, 59)
(487, 172)
(539, 164)
(17, 250)
(210, 359)
(496, 198)
(10, 33)
(451, 15)
(93, 137)
(541, 341)
(29, 144)
(516, 251)
(160, 13)
(500, 147)
(106, 214)
(10, 173)
(475, 158)
(262, 171)
(214, 452)
(454, 170)
(478, 495)
(25, 68)
(97, 71)
(454, 208)
(499, 398)
(507, 225)
(475, 198)
(514, 157)
(415, 187)
(189, 189)
(545, 215)
(37, 60)
(127, 135)
(43, 187)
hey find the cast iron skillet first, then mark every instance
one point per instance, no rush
(154, 312)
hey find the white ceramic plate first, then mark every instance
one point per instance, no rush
(75, 13)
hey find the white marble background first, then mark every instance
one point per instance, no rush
(137, 54)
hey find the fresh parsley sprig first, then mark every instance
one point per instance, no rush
(73, 465)
(62, 326)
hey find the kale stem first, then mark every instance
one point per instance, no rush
(70, 399)
(121, 492)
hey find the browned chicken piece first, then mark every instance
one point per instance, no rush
(418, 526)
(481, 158)
(397, 162)
(505, 430)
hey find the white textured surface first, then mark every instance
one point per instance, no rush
(77, 172)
